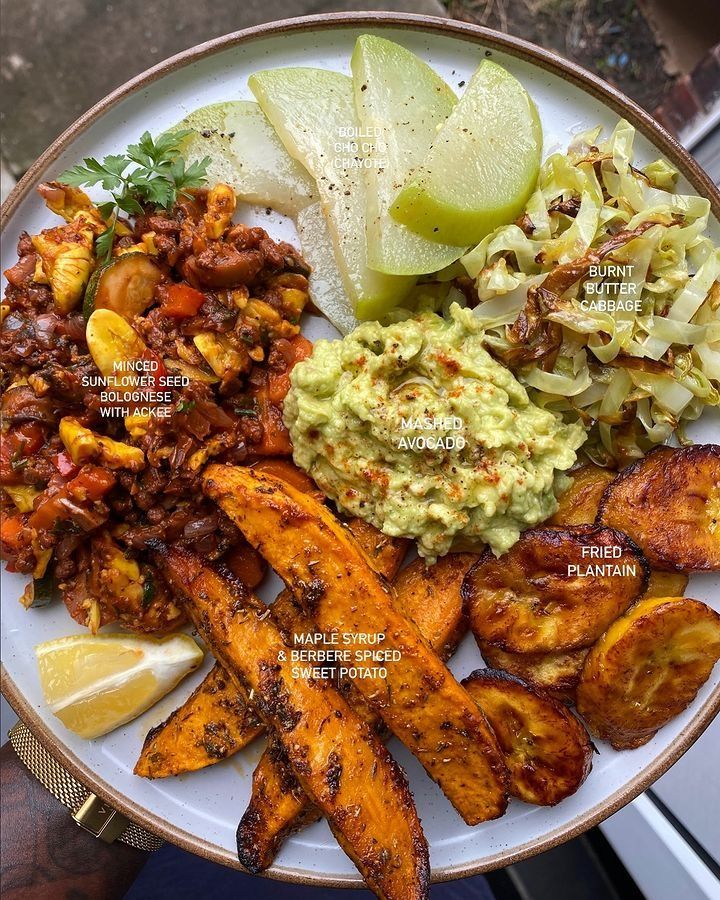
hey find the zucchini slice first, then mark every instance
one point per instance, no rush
(41, 591)
(126, 285)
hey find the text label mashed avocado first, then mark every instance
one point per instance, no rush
(353, 398)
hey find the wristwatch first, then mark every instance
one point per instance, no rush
(86, 808)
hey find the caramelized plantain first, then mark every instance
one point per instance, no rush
(417, 696)
(340, 764)
(669, 504)
(546, 748)
(666, 584)
(431, 597)
(556, 589)
(556, 673)
(647, 668)
(580, 502)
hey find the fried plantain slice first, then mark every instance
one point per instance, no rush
(546, 748)
(646, 668)
(556, 673)
(431, 597)
(556, 589)
(666, 584)
(580, 502)
(579, 505)
(669, 504)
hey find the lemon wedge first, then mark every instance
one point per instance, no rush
(94, 684)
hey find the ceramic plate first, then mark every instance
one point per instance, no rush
(200, 811)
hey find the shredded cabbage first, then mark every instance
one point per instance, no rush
(631, 346)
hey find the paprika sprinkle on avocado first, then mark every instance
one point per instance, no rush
(415, 428)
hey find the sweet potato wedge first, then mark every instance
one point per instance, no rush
(646, 668)
(546, 748)
(417, 696)
(348, 773)
(214, 722)
(385, 553)
(556, 589)
(669, 504)
(278, 807)
(431, 597)
(555, 673)
(579, 504)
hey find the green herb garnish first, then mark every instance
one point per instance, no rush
(66, 526)
(149, 173)
(148, 592)
(18, 460)
(185, 406)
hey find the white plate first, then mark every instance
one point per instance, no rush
(200, 811)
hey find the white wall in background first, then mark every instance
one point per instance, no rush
(662, 864)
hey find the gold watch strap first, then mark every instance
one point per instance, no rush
(87, 809)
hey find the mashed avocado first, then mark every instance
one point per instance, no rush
(415, 428)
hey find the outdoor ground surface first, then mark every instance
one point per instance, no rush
(59, 57)
(609, 37)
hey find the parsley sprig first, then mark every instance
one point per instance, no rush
(150, 173)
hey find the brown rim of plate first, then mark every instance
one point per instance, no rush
(513, 46)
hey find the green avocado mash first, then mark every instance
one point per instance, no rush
(415, 428)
